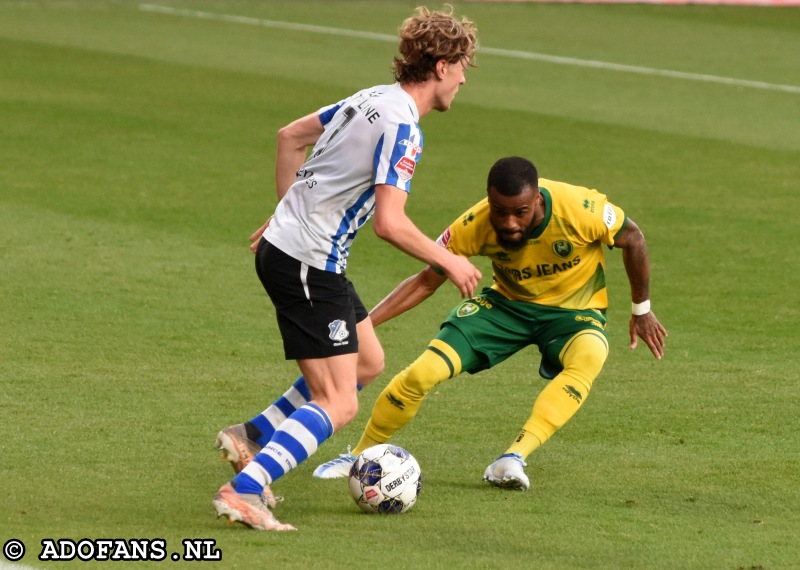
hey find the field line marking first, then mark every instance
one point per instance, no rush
(642, 70)
(515, 54)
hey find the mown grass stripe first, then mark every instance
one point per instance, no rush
(515, 54)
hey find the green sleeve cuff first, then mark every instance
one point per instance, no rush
(620, 230)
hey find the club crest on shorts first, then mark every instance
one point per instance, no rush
(466, 309)
(338, 330)
(562, 248)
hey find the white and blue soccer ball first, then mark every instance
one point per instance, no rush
(385, 479)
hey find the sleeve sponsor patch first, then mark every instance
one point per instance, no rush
(444, 239)
(609, 216)
(415, 148)
(405, 168)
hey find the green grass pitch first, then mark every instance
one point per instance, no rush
(136, 157)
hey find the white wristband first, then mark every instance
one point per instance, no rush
(639, 309)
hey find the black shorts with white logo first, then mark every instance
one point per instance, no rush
(317, 310)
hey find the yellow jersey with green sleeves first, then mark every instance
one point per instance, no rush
(563, 263)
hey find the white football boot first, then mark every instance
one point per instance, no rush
(336, 468)
(506, 472)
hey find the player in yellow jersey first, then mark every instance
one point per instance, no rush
(546, 241)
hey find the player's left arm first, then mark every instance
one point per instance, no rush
(415, 289)
(407, 295)
(391, 223)
(637, 265)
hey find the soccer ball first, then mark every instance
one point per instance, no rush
(385, 479)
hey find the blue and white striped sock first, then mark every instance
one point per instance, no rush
(270, 419)
(297, 438)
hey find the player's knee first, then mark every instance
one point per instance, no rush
(349, 412)
(370, 368)
(585, 357)
(414, 383)
(593, 363)
(344, 411)
(588, 350)
(370, 354)
(426, 372)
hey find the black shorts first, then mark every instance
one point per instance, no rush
(317, 310)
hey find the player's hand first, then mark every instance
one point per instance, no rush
(464, 275)
(256, 235)
(650, 331)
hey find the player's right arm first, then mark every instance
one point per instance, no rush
(293, 142)
(391, 224)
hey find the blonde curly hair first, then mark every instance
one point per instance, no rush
(430, 36)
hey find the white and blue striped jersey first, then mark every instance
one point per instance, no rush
(370, 138)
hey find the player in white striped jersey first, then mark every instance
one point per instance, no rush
(365, 151)
(372, 138)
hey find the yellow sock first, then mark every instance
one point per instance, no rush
(582, 357)
(402, 397)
